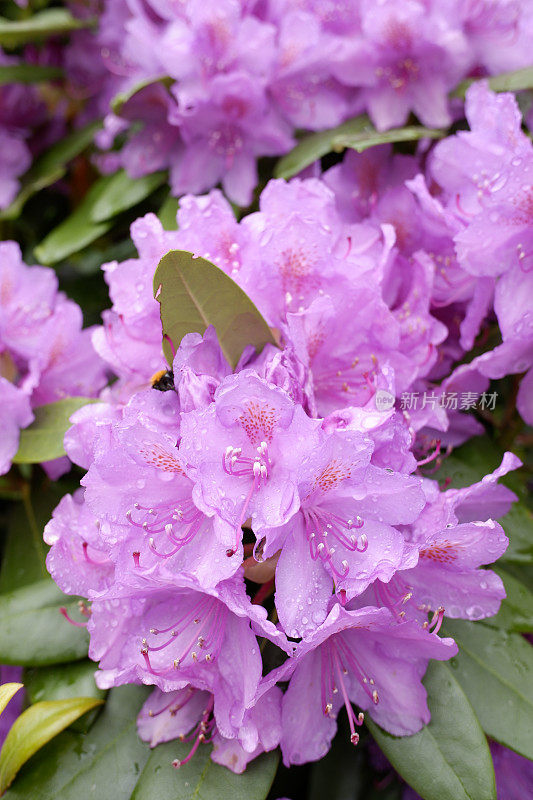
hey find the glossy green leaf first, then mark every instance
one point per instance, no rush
(28, 73)
(32, 630)
(518, 525)
(449, 758)
(494, 668)
(63, 681)
(34, 728)
(122, 192)
(43, 439)
(516, 610)
(104, 764)
(7, 692)
(51, 166)
(50, 22)
(78, 230)
(201, 778)
(357, 134)
(23, 557)
(118, 101)
(194, 293)
(506, 82)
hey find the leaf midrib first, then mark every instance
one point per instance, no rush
(199, 309)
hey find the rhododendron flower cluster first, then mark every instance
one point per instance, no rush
(262, 544)
(217, 84)
(44, 353)
(264, 479)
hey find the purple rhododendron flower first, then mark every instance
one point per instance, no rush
(363, 657)
(297, 471)
(241, 78)
(171, 715)
(241, 470)
(227, 511)
(44, 353)
(344, 531)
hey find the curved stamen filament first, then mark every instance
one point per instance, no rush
(157, 521)
(206, 621)
(433, 456)
(333, 672)
(320, 524)
(393, 595)
(172, 707)
(365, 682)
(205, 728)
(257, 468)
(92, 561)
(436, 620)
(352, 719)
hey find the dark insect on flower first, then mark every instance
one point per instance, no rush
(163, 380)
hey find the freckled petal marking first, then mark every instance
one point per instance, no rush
(158, 457)
(259, 421)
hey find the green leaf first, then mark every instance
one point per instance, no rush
(7, 691)
(23, 558)
(194, 293)
(34, 728)
(64, 681)
(28, 73)
(43, 439)
(51, 166)
(121, 98)
(516, 610)
(494, 669)
(358, 134)
(201, 777)
(449, 758)
(111, 763)
(518, 525)
(167, 214)
(78, 230)
(363, 140)
(122, 192)
(51, 22)
(32, 630)
(506, 82)
(101, 765)
(316, 145)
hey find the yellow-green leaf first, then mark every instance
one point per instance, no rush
(43, 439)
(7, 691)
(50, 22)
(505, 82)
(120, 99)
(34, 728)
(357, 134)
(28, 73)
